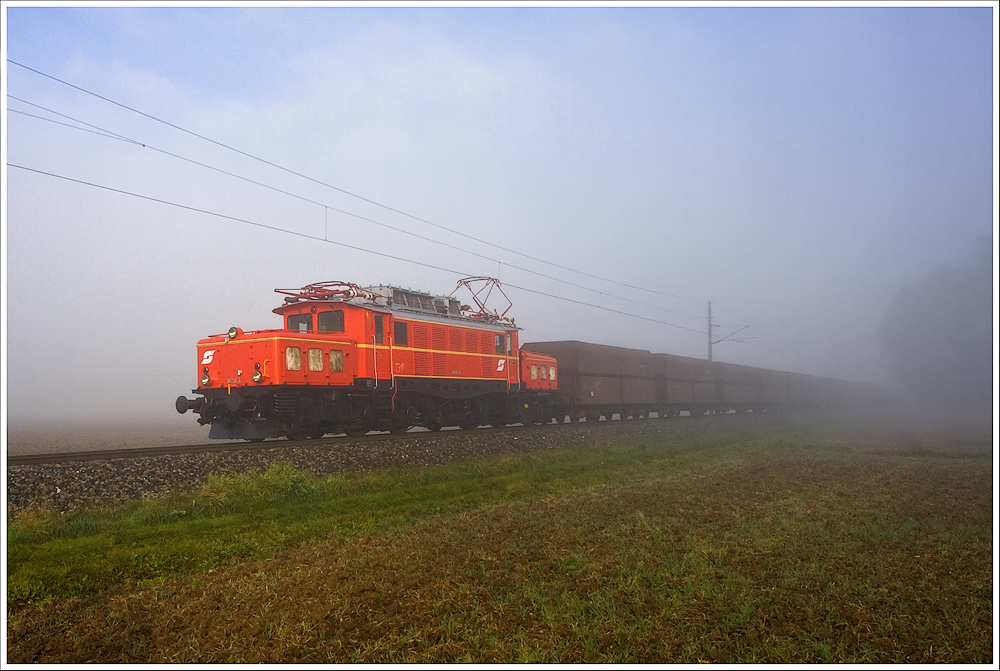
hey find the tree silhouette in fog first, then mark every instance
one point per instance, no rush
(938, 334)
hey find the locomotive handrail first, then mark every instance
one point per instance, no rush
(268, 331)
(245, 333)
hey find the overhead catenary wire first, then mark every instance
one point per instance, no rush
(345, 191)
(103, 132)
(93, 129)
(340, 244)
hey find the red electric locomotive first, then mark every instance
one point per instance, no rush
(350, 360)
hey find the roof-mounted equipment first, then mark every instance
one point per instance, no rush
(488, 284)
(328, 291)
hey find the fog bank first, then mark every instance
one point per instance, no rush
(938, 338)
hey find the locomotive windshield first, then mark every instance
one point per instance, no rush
(331, 321)
(301, 323)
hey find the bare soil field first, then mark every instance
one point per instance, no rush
(863, 547)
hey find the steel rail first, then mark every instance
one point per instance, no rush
(278, 443)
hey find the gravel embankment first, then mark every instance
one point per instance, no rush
(102, 483)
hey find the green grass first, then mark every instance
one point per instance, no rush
(253, 515)
(790, 546)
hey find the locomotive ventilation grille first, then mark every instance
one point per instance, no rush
(285, 404)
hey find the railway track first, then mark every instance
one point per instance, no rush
(128, 453)
(138, 452)
(135, 452)
(95, 479)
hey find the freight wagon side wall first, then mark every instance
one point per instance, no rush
(592, 375)
(620, 378)
(595, 390)
(774, 388)
(678, 392)
(685, 381)
(617, 377)
(639, 371)
(740, 384)
(801, 390)
(638, 391)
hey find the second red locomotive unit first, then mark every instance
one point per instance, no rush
(352, 359)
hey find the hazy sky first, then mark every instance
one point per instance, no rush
(794, 166)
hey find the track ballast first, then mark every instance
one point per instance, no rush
(114, 477)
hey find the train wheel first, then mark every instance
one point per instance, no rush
(433, 426)
(356, 431)
(592, 416)
(398, 429)
(296, 435)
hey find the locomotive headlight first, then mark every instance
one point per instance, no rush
(257, 376)
(233, 333)
(206, 380)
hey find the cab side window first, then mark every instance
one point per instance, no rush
(331, 321)
(498, 341)
(400, 335)
(301, 323)
(379, 329)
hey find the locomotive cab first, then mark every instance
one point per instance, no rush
(335, 337)
(259, 384)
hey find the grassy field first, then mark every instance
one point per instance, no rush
(821, 542)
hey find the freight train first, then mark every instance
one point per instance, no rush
(351, 359)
